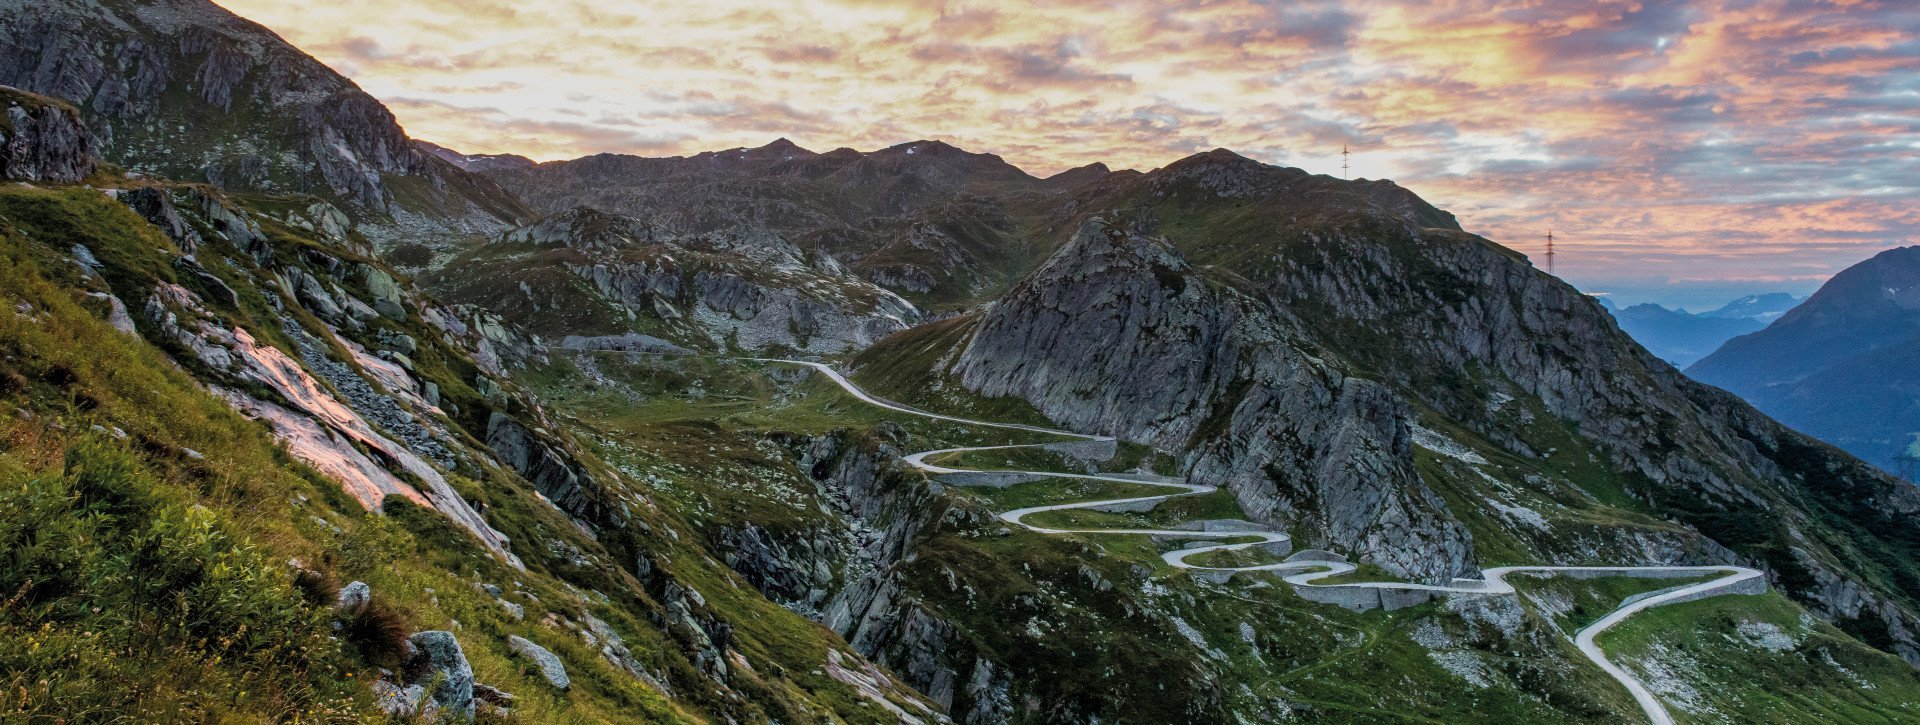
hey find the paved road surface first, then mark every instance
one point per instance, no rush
(1492, 581)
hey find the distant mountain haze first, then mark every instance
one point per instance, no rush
(1843, 366)
(1681, 338)
(1767, 307)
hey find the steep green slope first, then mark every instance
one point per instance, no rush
(1762, 659)
(148, 567)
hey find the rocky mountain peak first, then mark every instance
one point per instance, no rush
(1229, 175)
(1101, 246)
(784, 146)
(779, 151)
(183, 89)
(1079, 176)
(1764, 307)
(1891, 277)
(1866, 306)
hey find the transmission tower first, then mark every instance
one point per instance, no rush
(1549, 250)
(1343, 161)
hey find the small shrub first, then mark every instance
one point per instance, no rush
(316, 587)
(379, 631)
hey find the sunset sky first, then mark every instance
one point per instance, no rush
(1683, 152)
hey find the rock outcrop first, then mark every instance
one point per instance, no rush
(43, 139)
(750, 289)
(551, 668)
(1116, 334)
(548, 468)
(440, 665)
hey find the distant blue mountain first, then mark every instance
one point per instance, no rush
(1844, 366)
(1680, 337)
(1765, 308)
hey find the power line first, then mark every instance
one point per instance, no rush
(1549, 250)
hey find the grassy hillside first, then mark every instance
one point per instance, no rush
(165, 558)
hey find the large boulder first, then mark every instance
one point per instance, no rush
(439, 664)
(550, 665)
(153, 204)
(384, 291)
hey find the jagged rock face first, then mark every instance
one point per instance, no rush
(156, 206)
(121, 64)
(1116, 334)
(42, 139)
(150, 75)
(871, 606)
(549, 469)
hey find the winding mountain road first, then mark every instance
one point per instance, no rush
(1735, 579)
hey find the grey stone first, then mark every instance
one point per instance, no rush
(551, 471)
(549, 664)
(385, 292)
(439, 663)
(493, 695)
(314, 295)
(513, 610)
(156, 206)
(398, 701)
(353, 597)
(48, 140)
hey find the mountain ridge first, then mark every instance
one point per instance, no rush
(547, 456)
(1838, 366)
